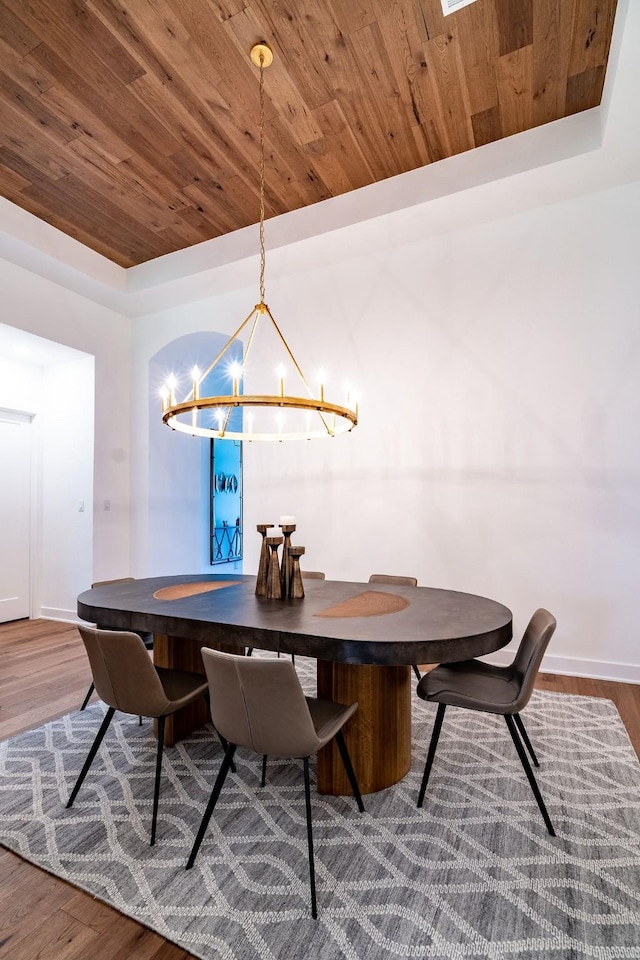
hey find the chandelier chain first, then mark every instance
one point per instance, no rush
(262, 255)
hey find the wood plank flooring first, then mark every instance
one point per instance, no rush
(43, 674)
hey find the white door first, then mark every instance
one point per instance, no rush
(15, 515)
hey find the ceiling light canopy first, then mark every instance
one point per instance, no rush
(268, 400)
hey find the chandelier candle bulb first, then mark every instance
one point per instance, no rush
(321, 380)
(195, 373)
(171, 385)
(236, 373)
(281, 379)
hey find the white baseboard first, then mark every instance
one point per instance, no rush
(578, 667)
(66, 616)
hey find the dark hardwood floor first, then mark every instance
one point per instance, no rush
(44, 673)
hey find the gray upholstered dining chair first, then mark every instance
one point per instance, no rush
(306, 575)
(147, 638)
(127, 680)
(493, 689)
(400, 582)
(260, 704)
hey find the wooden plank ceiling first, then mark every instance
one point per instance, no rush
(132, 125)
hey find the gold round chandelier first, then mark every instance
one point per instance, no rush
(249, 409)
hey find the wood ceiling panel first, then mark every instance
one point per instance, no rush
(133, 125)
(515, 90)
(551, 50)
(515, 25)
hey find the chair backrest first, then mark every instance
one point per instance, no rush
(123, 674)
(389, 578)
(312, 575)
(259, 704)
(532, 648)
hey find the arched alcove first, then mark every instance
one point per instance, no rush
(179, 465)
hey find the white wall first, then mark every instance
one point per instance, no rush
(46, 309)
(498, 450)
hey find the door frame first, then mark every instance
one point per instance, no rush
(35, 503)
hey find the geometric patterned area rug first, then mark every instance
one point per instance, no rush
(472, 874)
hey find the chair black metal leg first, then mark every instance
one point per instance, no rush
(225, 746)
(525, 738)
(312, 869)
(529, 772)
(264, 771)
(88, 696)
(92, 752)
(213, 799)
(139, 721)
(416, 671)
(249, 651)
(435, 736)
(293, 659)
(156, 789)
(348, 766)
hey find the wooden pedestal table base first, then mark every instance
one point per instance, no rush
(181, 654)
(378, 736)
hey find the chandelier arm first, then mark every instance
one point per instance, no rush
(226, 421)
(227, 345)
(297, 366)
(253, 332)
(288, 349)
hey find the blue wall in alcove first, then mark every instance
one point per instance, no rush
(227, 499)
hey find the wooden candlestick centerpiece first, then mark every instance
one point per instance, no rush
(274, 589)
(285, 567)
(296, 587)
(263, 566)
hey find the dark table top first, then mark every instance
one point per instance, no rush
(438, 626)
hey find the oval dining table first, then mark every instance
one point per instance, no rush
(364, 637)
